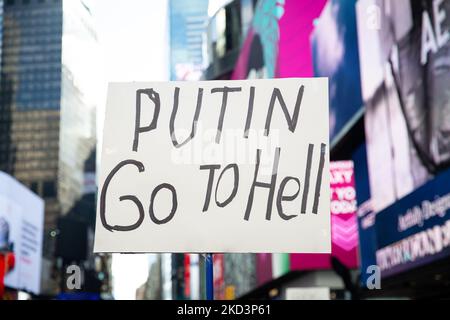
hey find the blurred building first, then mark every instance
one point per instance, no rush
(152, 288)
(223, 36)
(75, 238)
(186, 25)
(389, 114)
(269, 39)
(47, 108)
(276, 39)
(389, 100)
(205, 34)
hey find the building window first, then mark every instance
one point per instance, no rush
(49, 189)
(34, 186)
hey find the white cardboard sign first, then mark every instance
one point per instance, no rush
(215, 166)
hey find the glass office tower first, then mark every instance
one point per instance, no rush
(47, 108)
(187, 21)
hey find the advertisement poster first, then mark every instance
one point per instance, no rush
(344, 226)
(335, 55)
(416, 229)
(404, 49)
(278, 43)
(407, 105)
(21, 231)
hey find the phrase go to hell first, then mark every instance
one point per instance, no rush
(279, 189)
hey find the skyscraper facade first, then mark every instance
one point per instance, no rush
(187, 20)
(47, 107)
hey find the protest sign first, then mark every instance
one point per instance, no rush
(215, 166)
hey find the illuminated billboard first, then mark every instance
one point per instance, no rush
(404, 49)
(344, 228)
(22, 220)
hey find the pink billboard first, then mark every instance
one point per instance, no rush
(344, 228)
(279, 45)
(278, 42)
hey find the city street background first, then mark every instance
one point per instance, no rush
(388, 67)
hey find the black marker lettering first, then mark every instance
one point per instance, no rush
(270, 186)
(225, 91)
(281, 198)
(104, 191)
(211, 169)
(319, 178)
(154, 96)
(292, 121)
(307, 178)
(174, 203)
(235, 184)
(248, 121)
(176, 97)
